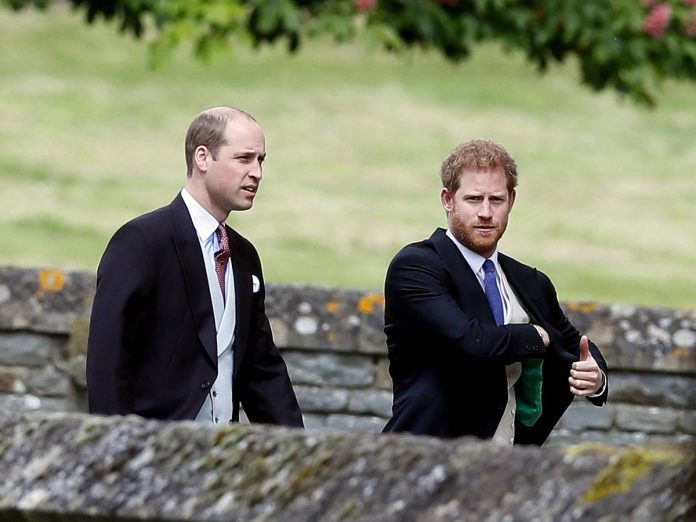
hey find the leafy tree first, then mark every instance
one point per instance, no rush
(631, 46)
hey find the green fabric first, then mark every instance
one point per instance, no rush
(528, 392)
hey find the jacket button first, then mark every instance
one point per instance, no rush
(205, 385)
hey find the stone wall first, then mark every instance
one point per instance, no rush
(333, 343)
(80, 468)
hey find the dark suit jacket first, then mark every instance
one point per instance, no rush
(152, 341)
(447, 357)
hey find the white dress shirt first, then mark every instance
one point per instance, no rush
(217, 407)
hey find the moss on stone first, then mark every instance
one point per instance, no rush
(348, 510)
(79, 333)
(626, 468)
(91, 428)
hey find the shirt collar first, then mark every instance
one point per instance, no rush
(475, 260)
(204, 223)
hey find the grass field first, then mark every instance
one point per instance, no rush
(90, 137)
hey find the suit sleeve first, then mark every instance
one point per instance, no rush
(125, 278)
(267, 394)
(565, 338)
(419, 297)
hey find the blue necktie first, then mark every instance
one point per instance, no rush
(490, 287)
(528, 387)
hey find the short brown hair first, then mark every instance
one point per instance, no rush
(477, 155)
(208, 129)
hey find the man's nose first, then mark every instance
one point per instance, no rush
(256, 172)
(485, 210)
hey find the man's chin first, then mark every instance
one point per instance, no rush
(242, 205)
(482, 248)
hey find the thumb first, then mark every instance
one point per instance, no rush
(584, 348)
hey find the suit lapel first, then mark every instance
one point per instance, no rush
(193, 268)
(242, 295)
(524, 285)
(470, 295)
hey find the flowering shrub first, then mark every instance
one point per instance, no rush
(365, 5)
(656, 22)
(627, 45)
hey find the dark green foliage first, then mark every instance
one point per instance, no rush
(630, 46)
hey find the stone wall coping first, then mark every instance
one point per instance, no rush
(60, 466)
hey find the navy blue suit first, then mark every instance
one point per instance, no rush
(152, 342)
(447, 357)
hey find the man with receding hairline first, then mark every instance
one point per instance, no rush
(178, 327)
(478, 344)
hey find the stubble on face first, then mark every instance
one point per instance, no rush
(478, 236)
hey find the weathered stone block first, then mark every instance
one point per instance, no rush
(582, 415)
(75, 467)
(321, 399)
(370, 402)
(661, 389)
(561, 438)
(355, 423)
(687, 422)
(12, 380)
(27, 403)
(48, 382)
(650, 420)
(326, 318)
(75, 368)
(314, 421)
(330, 369)
(640, 338)
(29, 349)
(44, 300)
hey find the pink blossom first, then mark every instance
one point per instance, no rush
(657, 20)
(690, 2)
(365, 5)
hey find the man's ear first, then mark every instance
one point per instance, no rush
(512, 198)
(446, 199)
(200, 158)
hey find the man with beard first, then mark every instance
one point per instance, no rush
(478, 344)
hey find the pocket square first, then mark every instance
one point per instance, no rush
(255, 284)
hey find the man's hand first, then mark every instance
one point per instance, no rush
(585, 376)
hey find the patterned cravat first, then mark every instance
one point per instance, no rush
(221, 257)
(492, 293)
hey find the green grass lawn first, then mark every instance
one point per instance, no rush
(90, 137)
